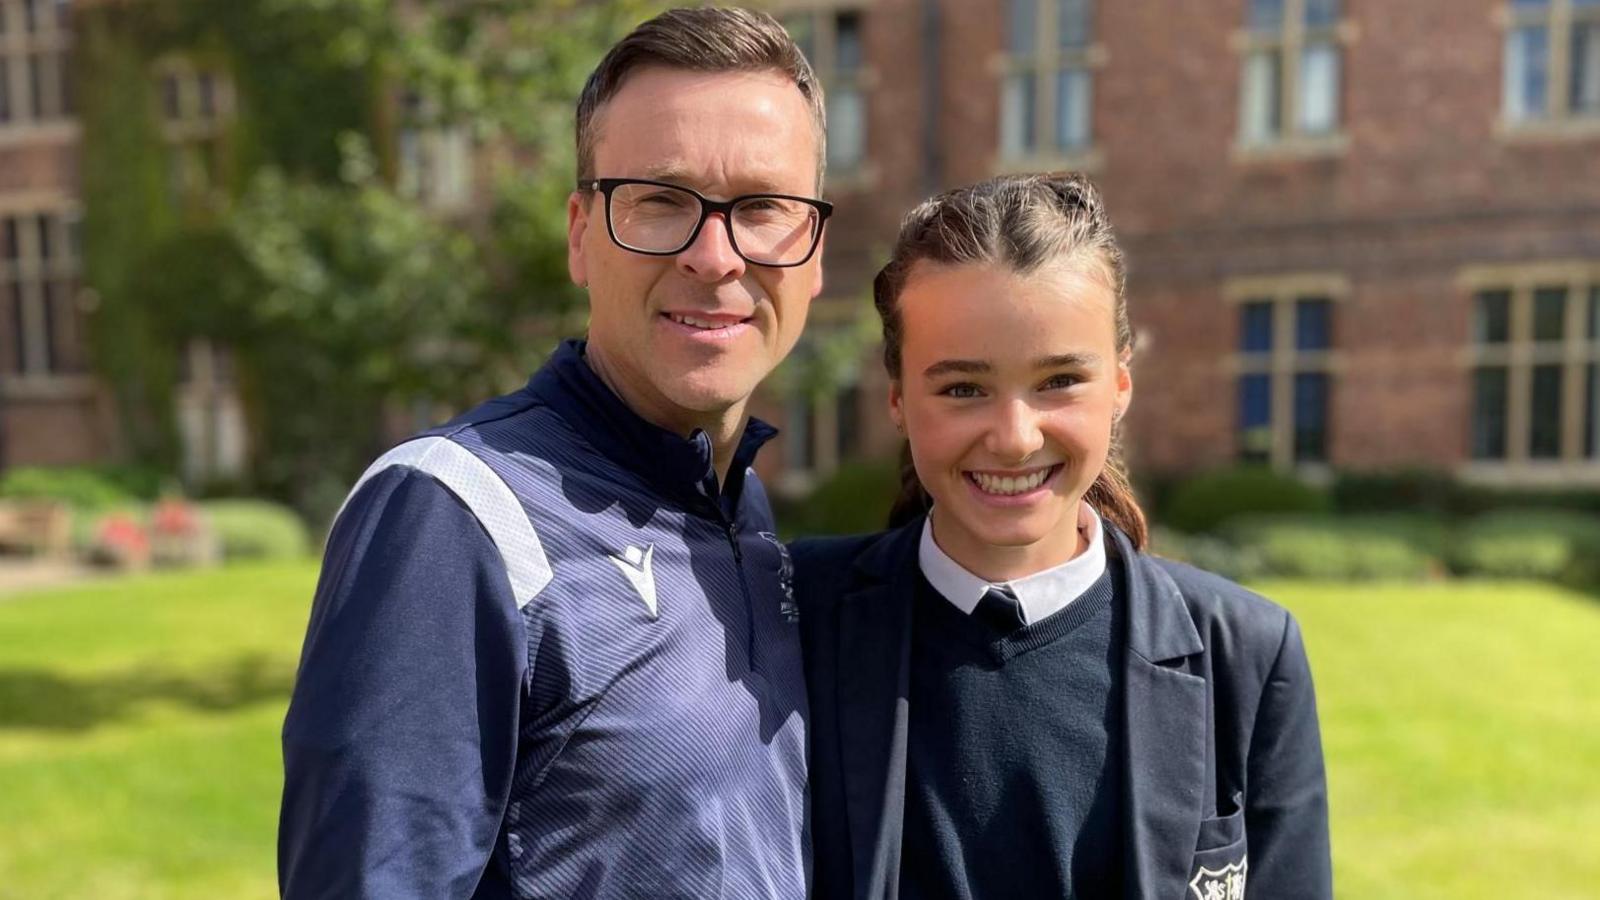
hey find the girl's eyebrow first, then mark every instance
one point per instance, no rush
(1067, 360)
(957, 366)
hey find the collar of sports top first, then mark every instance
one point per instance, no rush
(1041, 594)
(677, 466)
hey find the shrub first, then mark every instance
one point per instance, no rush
(255, 529)
(1555, 545)
(1349, 549)
(84, 489)
(1409, 490)
(856, 498)
(1208, 552)
(1204, 502)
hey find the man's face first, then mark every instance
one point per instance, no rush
(723, 134)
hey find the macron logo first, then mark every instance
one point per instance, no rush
(635, 564)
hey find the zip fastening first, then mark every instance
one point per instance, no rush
(732, 529)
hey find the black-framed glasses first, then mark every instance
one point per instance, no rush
(660, 219)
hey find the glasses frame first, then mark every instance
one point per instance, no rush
(708, 207)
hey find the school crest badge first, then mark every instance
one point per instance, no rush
(1226, 883)
(787, 608)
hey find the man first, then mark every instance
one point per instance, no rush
(552, 652)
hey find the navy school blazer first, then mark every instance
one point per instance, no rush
(1224, 779)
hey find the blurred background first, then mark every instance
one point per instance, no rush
(246, 245)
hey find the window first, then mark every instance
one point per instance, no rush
(1536, 368)
(38, 294)
(821, 432)
(1291, 71)
(1284, 366)
(35, 63)
(196, 105)
(210, 415)
(833, 41)
(1047, 79)
(435, 158)
(1552, 61)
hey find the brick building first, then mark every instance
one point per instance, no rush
(52, 411)
(1360, 234)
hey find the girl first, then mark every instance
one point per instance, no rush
(1009, 698)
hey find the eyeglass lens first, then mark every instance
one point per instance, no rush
(659, 219)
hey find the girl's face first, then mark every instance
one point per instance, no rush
(1008, 389)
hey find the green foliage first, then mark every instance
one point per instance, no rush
(1368, 548)
(1204, 502)
(1411, 490)
(127, 209)
(1208, 552)
(855, 499)
(341, 297)
(1433, 491)
(1554, 545)
(256, 530)
(84, 488)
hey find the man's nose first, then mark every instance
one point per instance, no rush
(711, 257)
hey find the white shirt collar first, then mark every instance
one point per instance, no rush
(1041, 594)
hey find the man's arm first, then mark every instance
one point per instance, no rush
(1286, 806)
(400, 742)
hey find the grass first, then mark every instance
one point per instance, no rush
(139, 735)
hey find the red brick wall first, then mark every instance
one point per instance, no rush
(1426, 184)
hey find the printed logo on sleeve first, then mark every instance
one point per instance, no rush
(1226, 883)
(787, 607)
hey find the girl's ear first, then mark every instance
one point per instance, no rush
(1124, 384)
(897, 413)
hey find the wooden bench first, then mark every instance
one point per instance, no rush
(39, 527)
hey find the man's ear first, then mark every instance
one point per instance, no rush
(822, 244)
(577, 227)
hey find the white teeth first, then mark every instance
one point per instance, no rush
(1005, 484)
(692, 322)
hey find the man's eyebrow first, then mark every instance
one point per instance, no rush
(957, 366)
(673, 173)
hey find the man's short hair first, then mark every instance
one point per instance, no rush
(707, 39)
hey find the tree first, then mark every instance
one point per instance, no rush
(342, 296)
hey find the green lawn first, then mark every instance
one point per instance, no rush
(139, 736)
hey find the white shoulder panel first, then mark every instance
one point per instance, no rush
(486, 496)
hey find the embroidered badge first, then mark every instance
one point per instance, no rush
(1226, 883)
(787, 608)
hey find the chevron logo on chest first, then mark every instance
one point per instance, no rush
(635, 565)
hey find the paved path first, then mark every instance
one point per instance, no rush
(20, 574)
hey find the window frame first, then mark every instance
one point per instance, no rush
(1290, 41)
(1559, 20)
(1284, 361)
(1048, 60)
(37, 103)
(821, 20)
(1578, 456)
(50, 349)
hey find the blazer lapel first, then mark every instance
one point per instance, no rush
(874, 714)
(1166, 723)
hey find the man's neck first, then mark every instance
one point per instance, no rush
(724, 427)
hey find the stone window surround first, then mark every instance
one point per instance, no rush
(1290, 41)
(821, 16)
(1519, 355)
(1049, 58)
(1285, 360)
